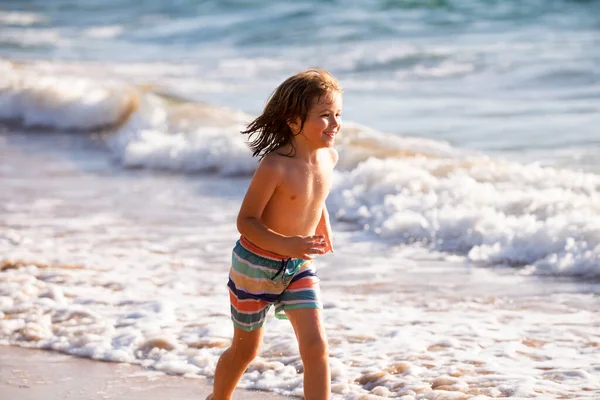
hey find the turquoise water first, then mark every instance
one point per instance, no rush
(519, 78)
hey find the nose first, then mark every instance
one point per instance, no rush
(336, 121)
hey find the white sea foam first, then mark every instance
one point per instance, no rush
(104, 32)
(491, 211)
(404, 190)
(25, 37)
(444, 69)
(158, 136)
(158, 133)
(409, 190)
(125, 266)
(20, 18)
(251, 67)
(63, 101)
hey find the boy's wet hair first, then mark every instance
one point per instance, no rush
(291, 100)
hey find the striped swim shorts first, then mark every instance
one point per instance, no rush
(259, 279)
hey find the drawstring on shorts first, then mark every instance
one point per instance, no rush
(281, 270)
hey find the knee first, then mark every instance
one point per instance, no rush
(315, 349)
(245, 352)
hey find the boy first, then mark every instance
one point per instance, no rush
(283, 222)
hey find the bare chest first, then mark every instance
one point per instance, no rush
(305, 186)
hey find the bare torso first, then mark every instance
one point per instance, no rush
(297, 203)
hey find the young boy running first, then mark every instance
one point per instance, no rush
(283, 223)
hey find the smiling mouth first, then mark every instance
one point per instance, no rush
(330, 134)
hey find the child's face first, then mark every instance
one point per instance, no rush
(324, 120)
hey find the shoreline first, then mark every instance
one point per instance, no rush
(35, 374)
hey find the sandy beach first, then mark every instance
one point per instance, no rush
(31, 374)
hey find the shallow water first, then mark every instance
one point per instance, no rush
(88, 271)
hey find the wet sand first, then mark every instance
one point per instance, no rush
(31, 374)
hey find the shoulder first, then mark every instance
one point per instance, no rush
(272, 163)
(273, 159)
(334, 155)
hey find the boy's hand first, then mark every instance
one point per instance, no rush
(305, 247)
(328, 245)
(324, 229)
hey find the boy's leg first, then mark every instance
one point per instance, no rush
(234, 361)
(312, 342)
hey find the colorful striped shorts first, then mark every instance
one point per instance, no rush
(258, 279)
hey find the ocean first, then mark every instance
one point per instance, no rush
(465, 206)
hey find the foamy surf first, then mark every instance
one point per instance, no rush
(146, 285)
(404, 190)
(183, 138)
(63, 101)
(20, 18)
(491, 211)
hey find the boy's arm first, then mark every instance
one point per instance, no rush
(324, 228)
(267, 177)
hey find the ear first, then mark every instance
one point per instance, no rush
(294, 125)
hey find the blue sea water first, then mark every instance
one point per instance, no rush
(495, 75)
